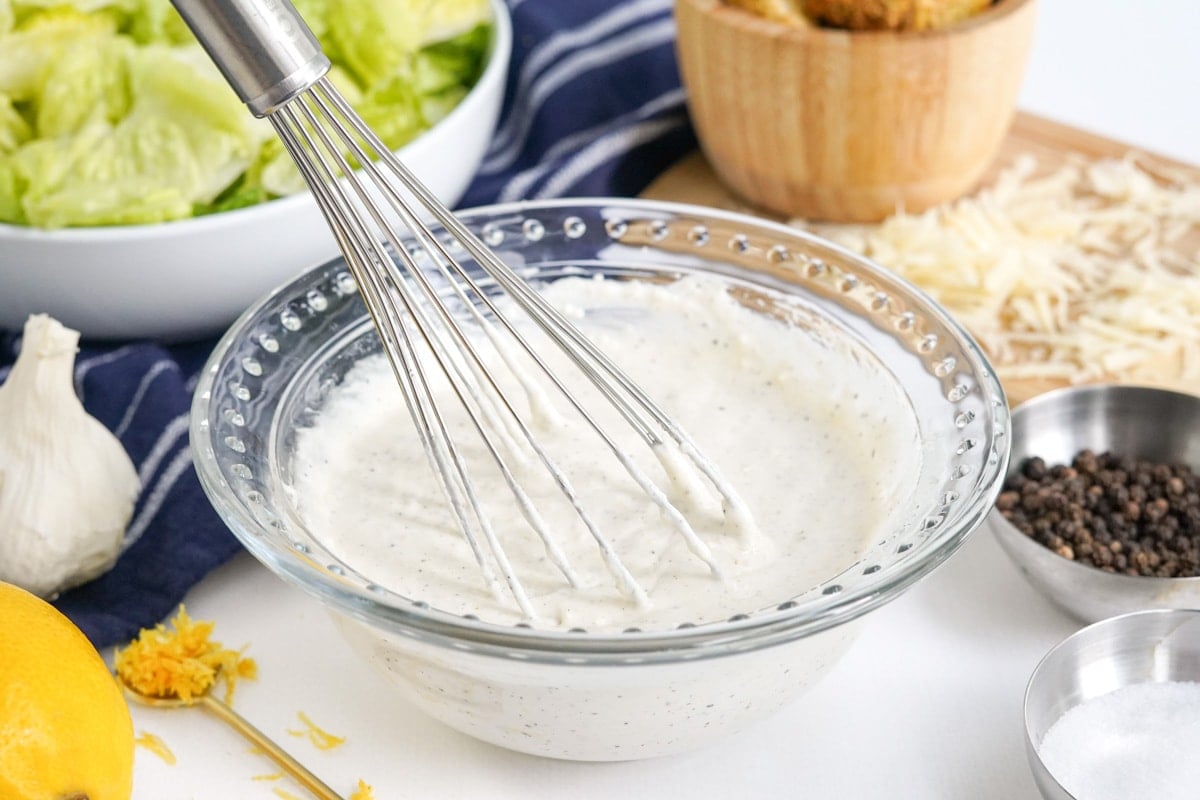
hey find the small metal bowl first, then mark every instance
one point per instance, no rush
(1143, 647)
(1133, 421)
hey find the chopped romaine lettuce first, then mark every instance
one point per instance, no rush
(83, 83)
(111, 114)
(36, 43)
(12, 189)
(446, 69)
(14, 130)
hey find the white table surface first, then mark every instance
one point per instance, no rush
(927, 703)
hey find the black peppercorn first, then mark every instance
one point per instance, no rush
(1116, 513)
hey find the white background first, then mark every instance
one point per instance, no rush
(927, 704)
(1129, 70)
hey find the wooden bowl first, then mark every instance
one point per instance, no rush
(850, 126)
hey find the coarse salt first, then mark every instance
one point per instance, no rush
(1136, 742)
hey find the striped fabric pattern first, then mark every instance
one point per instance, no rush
(594, 104)
(593, 108)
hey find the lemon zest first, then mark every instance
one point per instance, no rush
(274, 776)
(156, 745)
(182, 663)
(285, 794)
(321, 739)
(363, 792)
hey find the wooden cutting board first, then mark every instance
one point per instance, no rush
(692, 180)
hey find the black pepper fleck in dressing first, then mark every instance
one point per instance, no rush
(1122, 515)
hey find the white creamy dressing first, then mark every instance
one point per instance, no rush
(815, 435)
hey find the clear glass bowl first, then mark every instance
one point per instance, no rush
(641, 693)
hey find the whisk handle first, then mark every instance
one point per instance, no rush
(264, 49)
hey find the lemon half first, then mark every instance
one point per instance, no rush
(65, 730)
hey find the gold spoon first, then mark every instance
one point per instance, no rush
(223, 711)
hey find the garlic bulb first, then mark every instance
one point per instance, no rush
(67, 487)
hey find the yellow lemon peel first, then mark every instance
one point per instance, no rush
(182, 662)
(65, 730)
(363, 792)
(155, 744)
(321, 738)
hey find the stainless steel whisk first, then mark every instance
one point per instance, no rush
(272, 60)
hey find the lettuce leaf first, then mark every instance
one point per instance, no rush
(29, 50)
(184, 140)
(110, 113)
(376, 39)
(446, 70)
(156, 21)
(14, 129)
(81, 83)
(12, 189)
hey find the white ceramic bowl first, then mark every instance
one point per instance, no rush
(191, 278)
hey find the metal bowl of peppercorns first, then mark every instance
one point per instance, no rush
(1100, 508)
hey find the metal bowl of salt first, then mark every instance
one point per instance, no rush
(1113, 711)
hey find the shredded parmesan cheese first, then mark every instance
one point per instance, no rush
(321, 739)
(182, 663)
(1090, 272)
(156, 745)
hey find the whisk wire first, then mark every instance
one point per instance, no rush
(362, 250)
(617, 568)
(443, 353)
(319, 111)
(581, 351)
(331, 109)
(274, 63)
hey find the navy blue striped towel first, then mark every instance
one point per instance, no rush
(593, 108)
